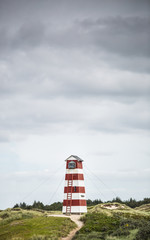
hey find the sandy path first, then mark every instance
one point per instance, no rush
(76, 219)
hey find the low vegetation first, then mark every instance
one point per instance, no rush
(114, 221)
(21, 224)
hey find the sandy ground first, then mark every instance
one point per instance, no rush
(112, 206)
(74, 218)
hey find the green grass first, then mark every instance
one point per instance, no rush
(24, 224)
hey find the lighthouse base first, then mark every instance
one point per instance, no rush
(76, 209)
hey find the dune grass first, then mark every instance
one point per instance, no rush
(24, 224)
(122, 210)
(144, 208)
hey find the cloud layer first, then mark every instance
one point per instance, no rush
(76, 70)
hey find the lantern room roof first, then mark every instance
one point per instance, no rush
(74, 157)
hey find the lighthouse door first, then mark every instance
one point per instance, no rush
(69, 196)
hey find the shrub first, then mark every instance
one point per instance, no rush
(121, 232)
(144, 232)
(96, 222)
(92, 235)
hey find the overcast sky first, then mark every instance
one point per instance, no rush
(74, 79)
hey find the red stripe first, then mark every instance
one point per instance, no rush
(78, 164)
(81, 202)
(74, 176)
(74, 190)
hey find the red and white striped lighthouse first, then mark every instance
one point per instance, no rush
(74, 190)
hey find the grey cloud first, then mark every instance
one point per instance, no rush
(134, 118)
(119, 35)
(45, 60)
(62, 10)
(31, 34)
(23, 117)
(73, 74)
(47, 75)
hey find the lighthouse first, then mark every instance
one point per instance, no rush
(74, 191)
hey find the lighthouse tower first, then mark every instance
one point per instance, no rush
(74, 190)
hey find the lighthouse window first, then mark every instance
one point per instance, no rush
(71, 165)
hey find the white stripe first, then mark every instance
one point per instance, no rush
(77, 183)
(76, 170)
(71, 158)
(75, 196)
(76, 209)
